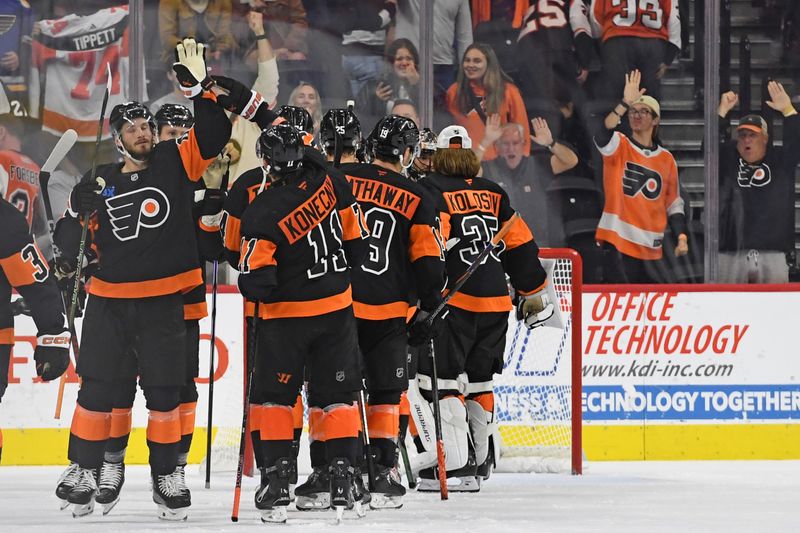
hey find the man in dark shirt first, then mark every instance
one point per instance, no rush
(757, 193)
(526, 178)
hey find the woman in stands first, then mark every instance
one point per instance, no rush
(483, 92)
(306, 96)
(399, 82)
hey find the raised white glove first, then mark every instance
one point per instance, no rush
(190, 68)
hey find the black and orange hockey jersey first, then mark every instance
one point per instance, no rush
(299, 239)
(406, 256)
(23, 181)
(23, 267)
(642, 190)
(652, 19)
(144, 232)
(472, 211)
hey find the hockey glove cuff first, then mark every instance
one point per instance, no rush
(52, 355)
(535, 309)
(421, 330)
(86, 196)
(19, 307)
(190, 68)
(244, 102)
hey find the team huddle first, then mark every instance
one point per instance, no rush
(345, 246)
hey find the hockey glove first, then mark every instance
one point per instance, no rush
(244, 102)
(190, 68)
(52, 355)
(420, 331)
(535, 309)
(19, 307)
(86, 196)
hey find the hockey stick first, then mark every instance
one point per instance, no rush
(60, 150)
(211, 371)
(437, 423)
(412, 482)
(73, 306)
(252, 346)
(362, 406)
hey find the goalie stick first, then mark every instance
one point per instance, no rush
(60, 150)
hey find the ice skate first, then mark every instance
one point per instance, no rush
(360, 492)
(387, 492)
(81, 496)
(273, 499)
(314, 494)
(341, 489)
(69, 478)
(112, 477)
(171, 496)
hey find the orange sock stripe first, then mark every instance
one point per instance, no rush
(486, 399)
(383, 421)
(90, 425)
(188, 413)
(254, 418)
(405, 407)
(297, 412)
(164, 427)
(316, 428)
(120, 422)
(412, 427)
(341, 422)
(276, 422)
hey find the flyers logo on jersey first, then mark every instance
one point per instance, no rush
(638, 179)
(131, 211)
(753, 175)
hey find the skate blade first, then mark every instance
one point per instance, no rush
(315, 502)
(107, 507)
(465, 484)
(173, 515)
(81, 510)
(63, 504)
(339, 514)
(382, 501)
(428, 485)
(276, 515)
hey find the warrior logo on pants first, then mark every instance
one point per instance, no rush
(144, 208)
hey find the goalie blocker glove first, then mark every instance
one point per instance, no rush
(535, 309)
(190, 68)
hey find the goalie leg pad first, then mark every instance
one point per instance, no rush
(481, 422)
(455, 432)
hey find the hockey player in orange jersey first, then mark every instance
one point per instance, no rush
(640, 180)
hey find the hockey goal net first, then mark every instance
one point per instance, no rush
(538, 394)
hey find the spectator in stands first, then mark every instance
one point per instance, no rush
(645, 36)
(482, 91)
(286, 28)
(17, 21)
(400, 81)
(208, 21)
(526, 178)
(362, 59)
(306, 96)
(757, 182)
(640, 182)
(406, 108)
(497, 23)
(552, 56)
(452, 33)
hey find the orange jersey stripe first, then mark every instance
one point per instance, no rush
(518, 235)
(383, 421)
(277, 422)
(258, 253)
(481, 304)
(380, 312)
(342, 422)
(7, 336)
(233, 233)
(164, 427)
(422, 242)
(147, 289)
(353, 224)
(195, 311)
(187, 414)
(90, 425)
(121, 422)
(308, 307)
(25, 267)
(193, 162)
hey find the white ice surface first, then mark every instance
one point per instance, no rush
(752, 496)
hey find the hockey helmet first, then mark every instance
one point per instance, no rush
(427, 142)
(281, 146)
(174, 115)
(297, 117)
(127, 113)
(392, 135)
(343, 122)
